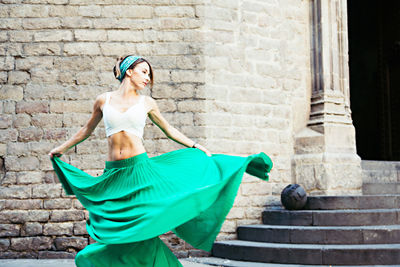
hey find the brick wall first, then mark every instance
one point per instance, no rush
(227, 73)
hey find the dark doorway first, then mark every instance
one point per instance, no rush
(374, 52)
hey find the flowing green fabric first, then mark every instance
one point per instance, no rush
(137, 199)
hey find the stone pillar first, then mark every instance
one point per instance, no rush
(325, 160)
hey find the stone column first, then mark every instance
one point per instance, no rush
(325, 160)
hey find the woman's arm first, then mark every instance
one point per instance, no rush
(84, 132)
(171, 132)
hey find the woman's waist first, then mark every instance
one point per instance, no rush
(126, 162)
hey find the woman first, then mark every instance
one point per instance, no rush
(137, 198)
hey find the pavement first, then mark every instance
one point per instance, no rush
(67, 263)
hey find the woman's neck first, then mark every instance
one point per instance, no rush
(126, 89)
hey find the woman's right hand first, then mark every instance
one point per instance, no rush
(57, 152)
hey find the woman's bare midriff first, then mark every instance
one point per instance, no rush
(123, 145)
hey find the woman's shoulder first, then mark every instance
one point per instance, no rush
(101, 99)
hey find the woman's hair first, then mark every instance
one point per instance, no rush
(117, 70)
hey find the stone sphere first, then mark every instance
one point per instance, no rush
(293, 197)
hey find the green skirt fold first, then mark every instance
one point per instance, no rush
(139, 198)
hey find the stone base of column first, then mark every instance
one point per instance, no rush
(327, 167)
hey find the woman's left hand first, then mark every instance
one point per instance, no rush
(202, 148)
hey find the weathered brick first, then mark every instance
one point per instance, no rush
(75, 119)
(76, 23)
(32, 107)
(25, 204)
(56, 255)
(21, 36)
(3, 150)
(140, 12)
(34, 177)
(42, 49)
(28, 63)
(13, 163)
(64, 228)
(41, 23)
(90, 11)
(5, 121)
(18, 77)
(43, 91)
(179, 23)
(80, 228)
(57, 203)
(29, 243)
(3, 36)
(7, 63)
(3, 76)
(48, 76)
(90, 35)
(46, 191)
(4, 244)
(117, 49)
(10, 23)
(22, 216)
(174, 11)
(192, 105)
(21, 121)
(47, 120)
(77, 204)
(9, 230)
(63, 11)
(55, 134)
(17, 149)
(11, 49)
(15, 192)
(82, 49)
(53, 36)
(63, 243)
(29, 11)
(32, 229)
(124, 36)
(11, 92)
(30, 134)
(187, 76)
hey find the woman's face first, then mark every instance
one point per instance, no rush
(140, 75)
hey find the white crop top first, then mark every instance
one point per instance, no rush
(132, 120)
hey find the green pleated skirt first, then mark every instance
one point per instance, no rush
(139, 198)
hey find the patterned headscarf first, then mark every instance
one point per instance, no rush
(125, 65)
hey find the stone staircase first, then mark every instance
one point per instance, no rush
(332, 230)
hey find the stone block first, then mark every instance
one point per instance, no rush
(55, 134)
(56, 255)
(7, 63)
(24, 204)
(67, 215)
(30, 134)
(29, 243)
(18, 77)
(7, 230)
(124, 36)
(36, 91)
(42, 49)
(80, 228)
(15, 192)
(29, 177)
(47, 120)
(63, 11)
(76, 23)
(29, 11)
(22, 216)
(63, 243)
(90, 11)
(76, 49)
(90, 35)
(32, 229)
(53, 36)
(138, 12)
(11, 92)
(5, 121)
(46, 191)
(4, 244)
(174, 11)
(64, 228)
(179, 23)
(30, 107)
(40, 23)
(58, 203)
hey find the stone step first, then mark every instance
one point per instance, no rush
(353, 202)
(381, 188)
(320, 234)
(308, 254)
(213, 261)
(331, 217)
(380, 171)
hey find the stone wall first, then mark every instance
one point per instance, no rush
(233, 75)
